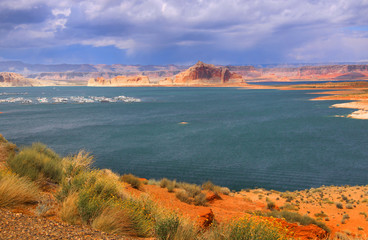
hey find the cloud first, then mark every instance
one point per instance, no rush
(233, 30)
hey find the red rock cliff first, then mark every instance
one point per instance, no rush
(204, 74)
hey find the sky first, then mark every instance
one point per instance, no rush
(160, 32)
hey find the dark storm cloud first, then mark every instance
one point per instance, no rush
(36, 14)
(234, 31)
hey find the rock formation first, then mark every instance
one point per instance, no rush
(8, 79)
(305, 73)
(120, 81)
(203, 74)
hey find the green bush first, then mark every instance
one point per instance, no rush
(37, 162)
(134, 181)
(166, 228)
(141, 212)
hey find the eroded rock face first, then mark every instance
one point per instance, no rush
(8, 79)
(206, 218)
(120, 81)
(206, 74)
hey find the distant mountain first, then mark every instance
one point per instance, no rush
(79, 74)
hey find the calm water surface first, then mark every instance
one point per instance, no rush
(236, 138)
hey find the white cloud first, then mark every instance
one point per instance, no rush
(65, 12)
(108, 41)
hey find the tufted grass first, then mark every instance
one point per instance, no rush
(16, 190)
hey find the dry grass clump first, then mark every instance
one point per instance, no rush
(214, 188)
(16, 190)
(192, 189)
(349, 206)
(190, 193)
(37, 162)
(69, 210)
(183, 196)
(164, 182)
(200, 200)
(6, 149)
(134, 181)
(114, 220)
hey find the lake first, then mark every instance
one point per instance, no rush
(239, 138)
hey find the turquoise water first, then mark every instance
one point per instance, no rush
(234, 137)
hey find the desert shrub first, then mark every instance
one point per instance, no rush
(73, 165)
(171, 186)
(349, 206)
(339, 205)
(208, 186)
(271, 205)
(166, 228)
(6, 149)
(200, 200)
(141, 212)
(97, 194)
(183, 196)
(192, 189)
(288, 195)
(320, 215)
(69, 210)
(289, 207)
(114, 220)
(250, 228)
(37, 162)
(134, 181)
(95, 191)
(16, 190)
(225, 190)
(2, 139)
(214, 188)
(164, 182)
(187, 230)
(153, 182)
(294, 217)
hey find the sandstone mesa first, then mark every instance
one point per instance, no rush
(201, 74)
